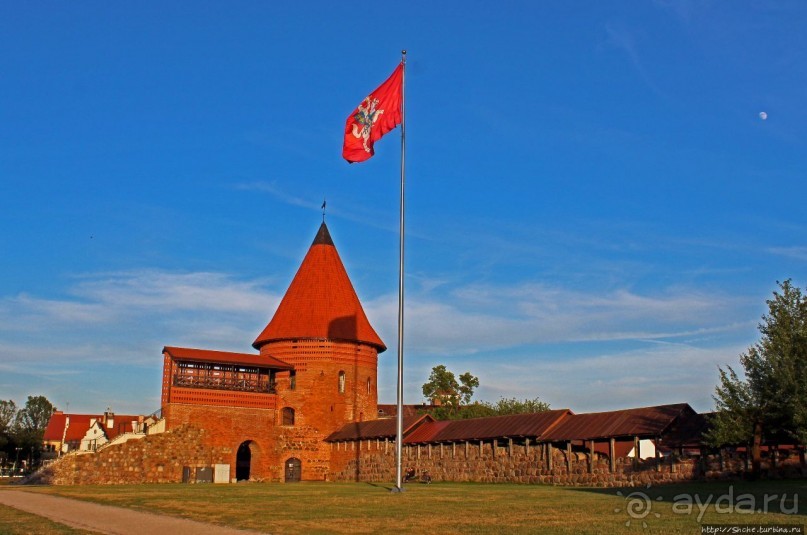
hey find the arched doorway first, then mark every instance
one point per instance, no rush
(243, 461)
(294, 469)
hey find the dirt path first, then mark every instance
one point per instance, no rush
(107, 519)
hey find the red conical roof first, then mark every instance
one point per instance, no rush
(320, 302)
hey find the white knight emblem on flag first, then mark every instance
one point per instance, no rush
(366, 117)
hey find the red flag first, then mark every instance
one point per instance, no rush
(377, 114)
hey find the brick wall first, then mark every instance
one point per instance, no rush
(271, 444)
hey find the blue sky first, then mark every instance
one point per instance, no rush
(596, 211)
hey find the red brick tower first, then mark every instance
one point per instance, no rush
(321, 329)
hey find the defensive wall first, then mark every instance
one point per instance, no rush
(154, 459)
(506, 462)
(162, 458)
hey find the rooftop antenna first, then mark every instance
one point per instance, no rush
(323, 209)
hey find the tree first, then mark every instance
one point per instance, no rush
(444, 390)
(453, 398)
(770, 402)
(506, 406)
(36, 414)
(503, 407)
(31, 421)
(8, 412)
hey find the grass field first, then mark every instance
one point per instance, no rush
(452, 507)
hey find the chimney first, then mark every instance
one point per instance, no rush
(109, 418)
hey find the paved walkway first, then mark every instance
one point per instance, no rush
(106, 518)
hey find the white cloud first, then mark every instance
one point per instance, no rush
(481, 318)
(116, 297)
(669, 373)
(123, 319)
(796, 252)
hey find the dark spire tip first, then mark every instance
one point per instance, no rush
(323, 236)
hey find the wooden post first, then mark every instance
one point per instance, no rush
(590, 456)
(548, 447)
(636, 452)
(386, 445)
(658, 456)
(495, 446)
(703, 461)
(527, 447)
(467, 445)
(612, 455)
(418, 447)
(441, 450)
(748, 458)
(569, 457)
(453, 450)
(480, 448)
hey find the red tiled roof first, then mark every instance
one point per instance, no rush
(224, 357)
(642, 422)
(516, 425)
(320, 302)
(677, 424)
(384, 428)
(80, 423)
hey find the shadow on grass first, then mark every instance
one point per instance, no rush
(386, 486)
(772, 496)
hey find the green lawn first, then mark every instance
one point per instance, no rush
(14, 522)
(455, 507)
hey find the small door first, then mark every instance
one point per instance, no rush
(294, 469)
(243, 461)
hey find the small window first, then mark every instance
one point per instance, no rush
(288, 416)
(292, 380)
(342, 382)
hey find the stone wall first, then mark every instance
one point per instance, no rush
(374, 461)
(161, 458)
(154, 459)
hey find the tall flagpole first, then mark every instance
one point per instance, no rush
(399, 416)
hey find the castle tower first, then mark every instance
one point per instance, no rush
(321, 330)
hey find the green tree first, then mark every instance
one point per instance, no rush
(770, 401)
(503, 407)
(445, 390)
(31, 421)
(8, 413)
(506, 406)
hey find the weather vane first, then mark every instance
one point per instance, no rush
(323, 209)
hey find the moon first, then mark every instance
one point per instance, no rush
(763, 115)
